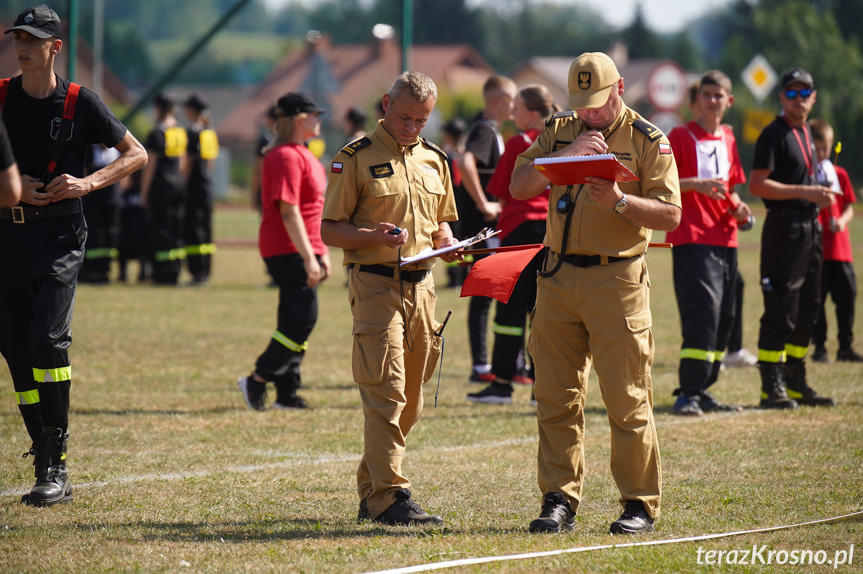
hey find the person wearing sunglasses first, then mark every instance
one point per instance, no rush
(784, 176)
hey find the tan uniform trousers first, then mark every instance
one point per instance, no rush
(597, 314)
(389, 375)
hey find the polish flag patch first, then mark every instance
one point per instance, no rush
(664, 148)
(337, 167)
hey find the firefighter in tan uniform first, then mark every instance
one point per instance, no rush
(592, 303)
(390, 195)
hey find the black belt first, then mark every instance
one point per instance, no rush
(27, 213)
(591, 260)
(391, 272)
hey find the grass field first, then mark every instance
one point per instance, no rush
(173, 473)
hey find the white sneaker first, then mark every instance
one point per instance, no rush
(741, 358)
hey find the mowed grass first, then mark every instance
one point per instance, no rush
(173, 473)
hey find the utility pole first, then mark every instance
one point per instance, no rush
(407, 33)
(72, 41)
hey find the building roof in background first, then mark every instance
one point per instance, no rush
(339, 77)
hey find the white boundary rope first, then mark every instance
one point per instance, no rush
(487, 559)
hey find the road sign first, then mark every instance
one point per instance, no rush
(667, 86)
(759, 77)
(755, 120)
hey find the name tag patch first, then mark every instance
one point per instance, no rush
(559, 145)
(381, 171)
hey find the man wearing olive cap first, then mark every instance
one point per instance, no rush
(592, 301)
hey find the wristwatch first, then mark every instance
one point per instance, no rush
(621, 205)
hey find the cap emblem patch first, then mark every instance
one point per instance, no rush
(584, 80)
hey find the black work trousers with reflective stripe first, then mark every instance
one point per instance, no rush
(297, 315)
(705, 283)
(791, 259)
(39, 265)
(166, 227)
(198, 229)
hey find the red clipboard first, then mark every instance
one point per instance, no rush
(572, 170)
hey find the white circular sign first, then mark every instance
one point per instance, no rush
(667, 86)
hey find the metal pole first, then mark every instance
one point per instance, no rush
(407, 33)
(72, 40)
(98, 44)
(183, 60)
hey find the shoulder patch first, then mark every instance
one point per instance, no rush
(558, 116)
(434, 147)
(652, 132)
(356, 146)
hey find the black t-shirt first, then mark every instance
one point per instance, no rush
(778, 150)
(199, 174)
(6, 156)
(484, 142)
(33, 125)
(169, 145)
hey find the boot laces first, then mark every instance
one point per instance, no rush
(550, 506)
(31, 452)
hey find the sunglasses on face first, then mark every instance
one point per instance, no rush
(792, 94)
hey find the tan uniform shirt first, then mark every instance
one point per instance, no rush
(594, 229)
(372, 181)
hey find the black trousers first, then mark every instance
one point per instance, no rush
(735, 341)
(198, 235)
(508, 357)
(297, 315)
(838, 280)
(705, 283)
(790, 283)
(39, 265)
(166, 226)
(101, 208)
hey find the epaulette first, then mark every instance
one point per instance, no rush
(356, 146)
(434, 147)
(559, 115)
(652, 132)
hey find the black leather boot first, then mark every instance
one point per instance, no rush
(773, 394)
(799, 389)
(52, 479)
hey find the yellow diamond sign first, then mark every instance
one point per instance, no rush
(759, 77)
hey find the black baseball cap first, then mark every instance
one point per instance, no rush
(196, 102)
(40, 21)
(797, 75)
(292, 104)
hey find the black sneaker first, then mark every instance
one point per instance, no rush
(290, 403)
(848, 355)
(254, 392)
(363, 513)
(820, 355)
(688, 405)
(556, 514)
(494, 394)
(709, 404)
(404, 512)
(633, 520)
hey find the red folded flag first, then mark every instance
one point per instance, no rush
(496, 275)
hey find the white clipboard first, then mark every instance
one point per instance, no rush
(427, 253)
